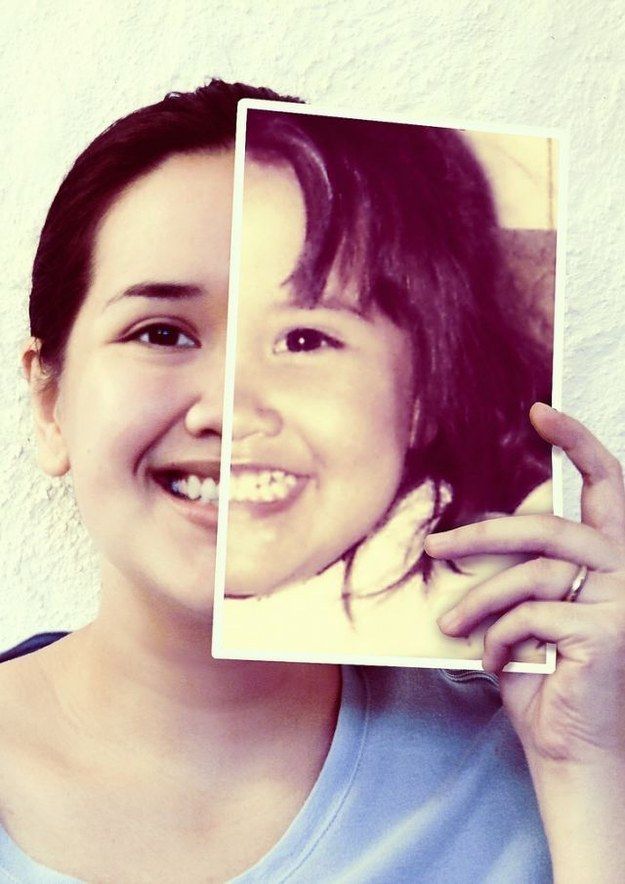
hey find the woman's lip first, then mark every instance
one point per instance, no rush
(202, 469)
(204, 515)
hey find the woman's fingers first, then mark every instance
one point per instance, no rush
(545, 535)
(603, 492)
(565, 625)
(539, 579)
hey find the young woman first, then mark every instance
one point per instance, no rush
(127, 753)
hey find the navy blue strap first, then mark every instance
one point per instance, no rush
(34, 643)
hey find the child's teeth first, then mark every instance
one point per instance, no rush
(262, 487)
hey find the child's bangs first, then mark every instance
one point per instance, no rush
(338, 255)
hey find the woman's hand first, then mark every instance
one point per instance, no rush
(579, 710)
(571, 722)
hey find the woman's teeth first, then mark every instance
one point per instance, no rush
(247, 486)
(194, 488)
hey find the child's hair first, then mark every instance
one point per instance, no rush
(407, 214)
(403, 211)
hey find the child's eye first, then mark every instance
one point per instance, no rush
(304, 340)
(162, 334)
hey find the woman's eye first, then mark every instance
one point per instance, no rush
(303, 340)
(161, 334)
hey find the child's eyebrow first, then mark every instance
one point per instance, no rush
(157, 290)
(328, 303)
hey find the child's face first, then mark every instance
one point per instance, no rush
(323, 400)
(322, 397)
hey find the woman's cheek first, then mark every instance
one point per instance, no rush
(117, 416)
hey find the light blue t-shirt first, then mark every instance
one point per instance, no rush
(425, 780)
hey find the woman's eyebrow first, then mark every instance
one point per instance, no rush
(157, 290)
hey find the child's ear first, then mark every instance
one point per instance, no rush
(52, 453)
(422, 430)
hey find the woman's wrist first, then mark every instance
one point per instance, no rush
(583, 812)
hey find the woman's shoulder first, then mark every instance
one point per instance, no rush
(31, 644)
(26, 700)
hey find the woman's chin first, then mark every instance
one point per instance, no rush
(185, 605)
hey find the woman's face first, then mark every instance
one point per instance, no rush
(322, 397)
(142, 384)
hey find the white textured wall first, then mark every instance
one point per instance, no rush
(69, 68)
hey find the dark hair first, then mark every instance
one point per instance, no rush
(407, 212)
(403, 210)
(129, 148)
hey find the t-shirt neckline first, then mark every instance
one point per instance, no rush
(329, 792)
(310, 824)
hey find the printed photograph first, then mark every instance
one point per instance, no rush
(392, 313)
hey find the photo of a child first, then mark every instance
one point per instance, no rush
(388, 350)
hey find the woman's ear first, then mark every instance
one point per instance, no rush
(52, 455)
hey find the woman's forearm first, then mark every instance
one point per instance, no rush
(583, 811)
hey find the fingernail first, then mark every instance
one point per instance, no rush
(450, 621)
(433, 542)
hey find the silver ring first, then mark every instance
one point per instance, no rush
(577, 585)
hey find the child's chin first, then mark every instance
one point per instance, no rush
(267, 575)
(243, 586)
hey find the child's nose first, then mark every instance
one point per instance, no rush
(253, 414)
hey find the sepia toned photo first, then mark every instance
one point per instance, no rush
(392, 314)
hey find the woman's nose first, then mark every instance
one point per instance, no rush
(205, 414)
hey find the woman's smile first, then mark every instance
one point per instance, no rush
(139, 405)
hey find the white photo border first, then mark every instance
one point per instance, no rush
(560, 135)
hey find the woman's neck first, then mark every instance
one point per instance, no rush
(141, 678)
